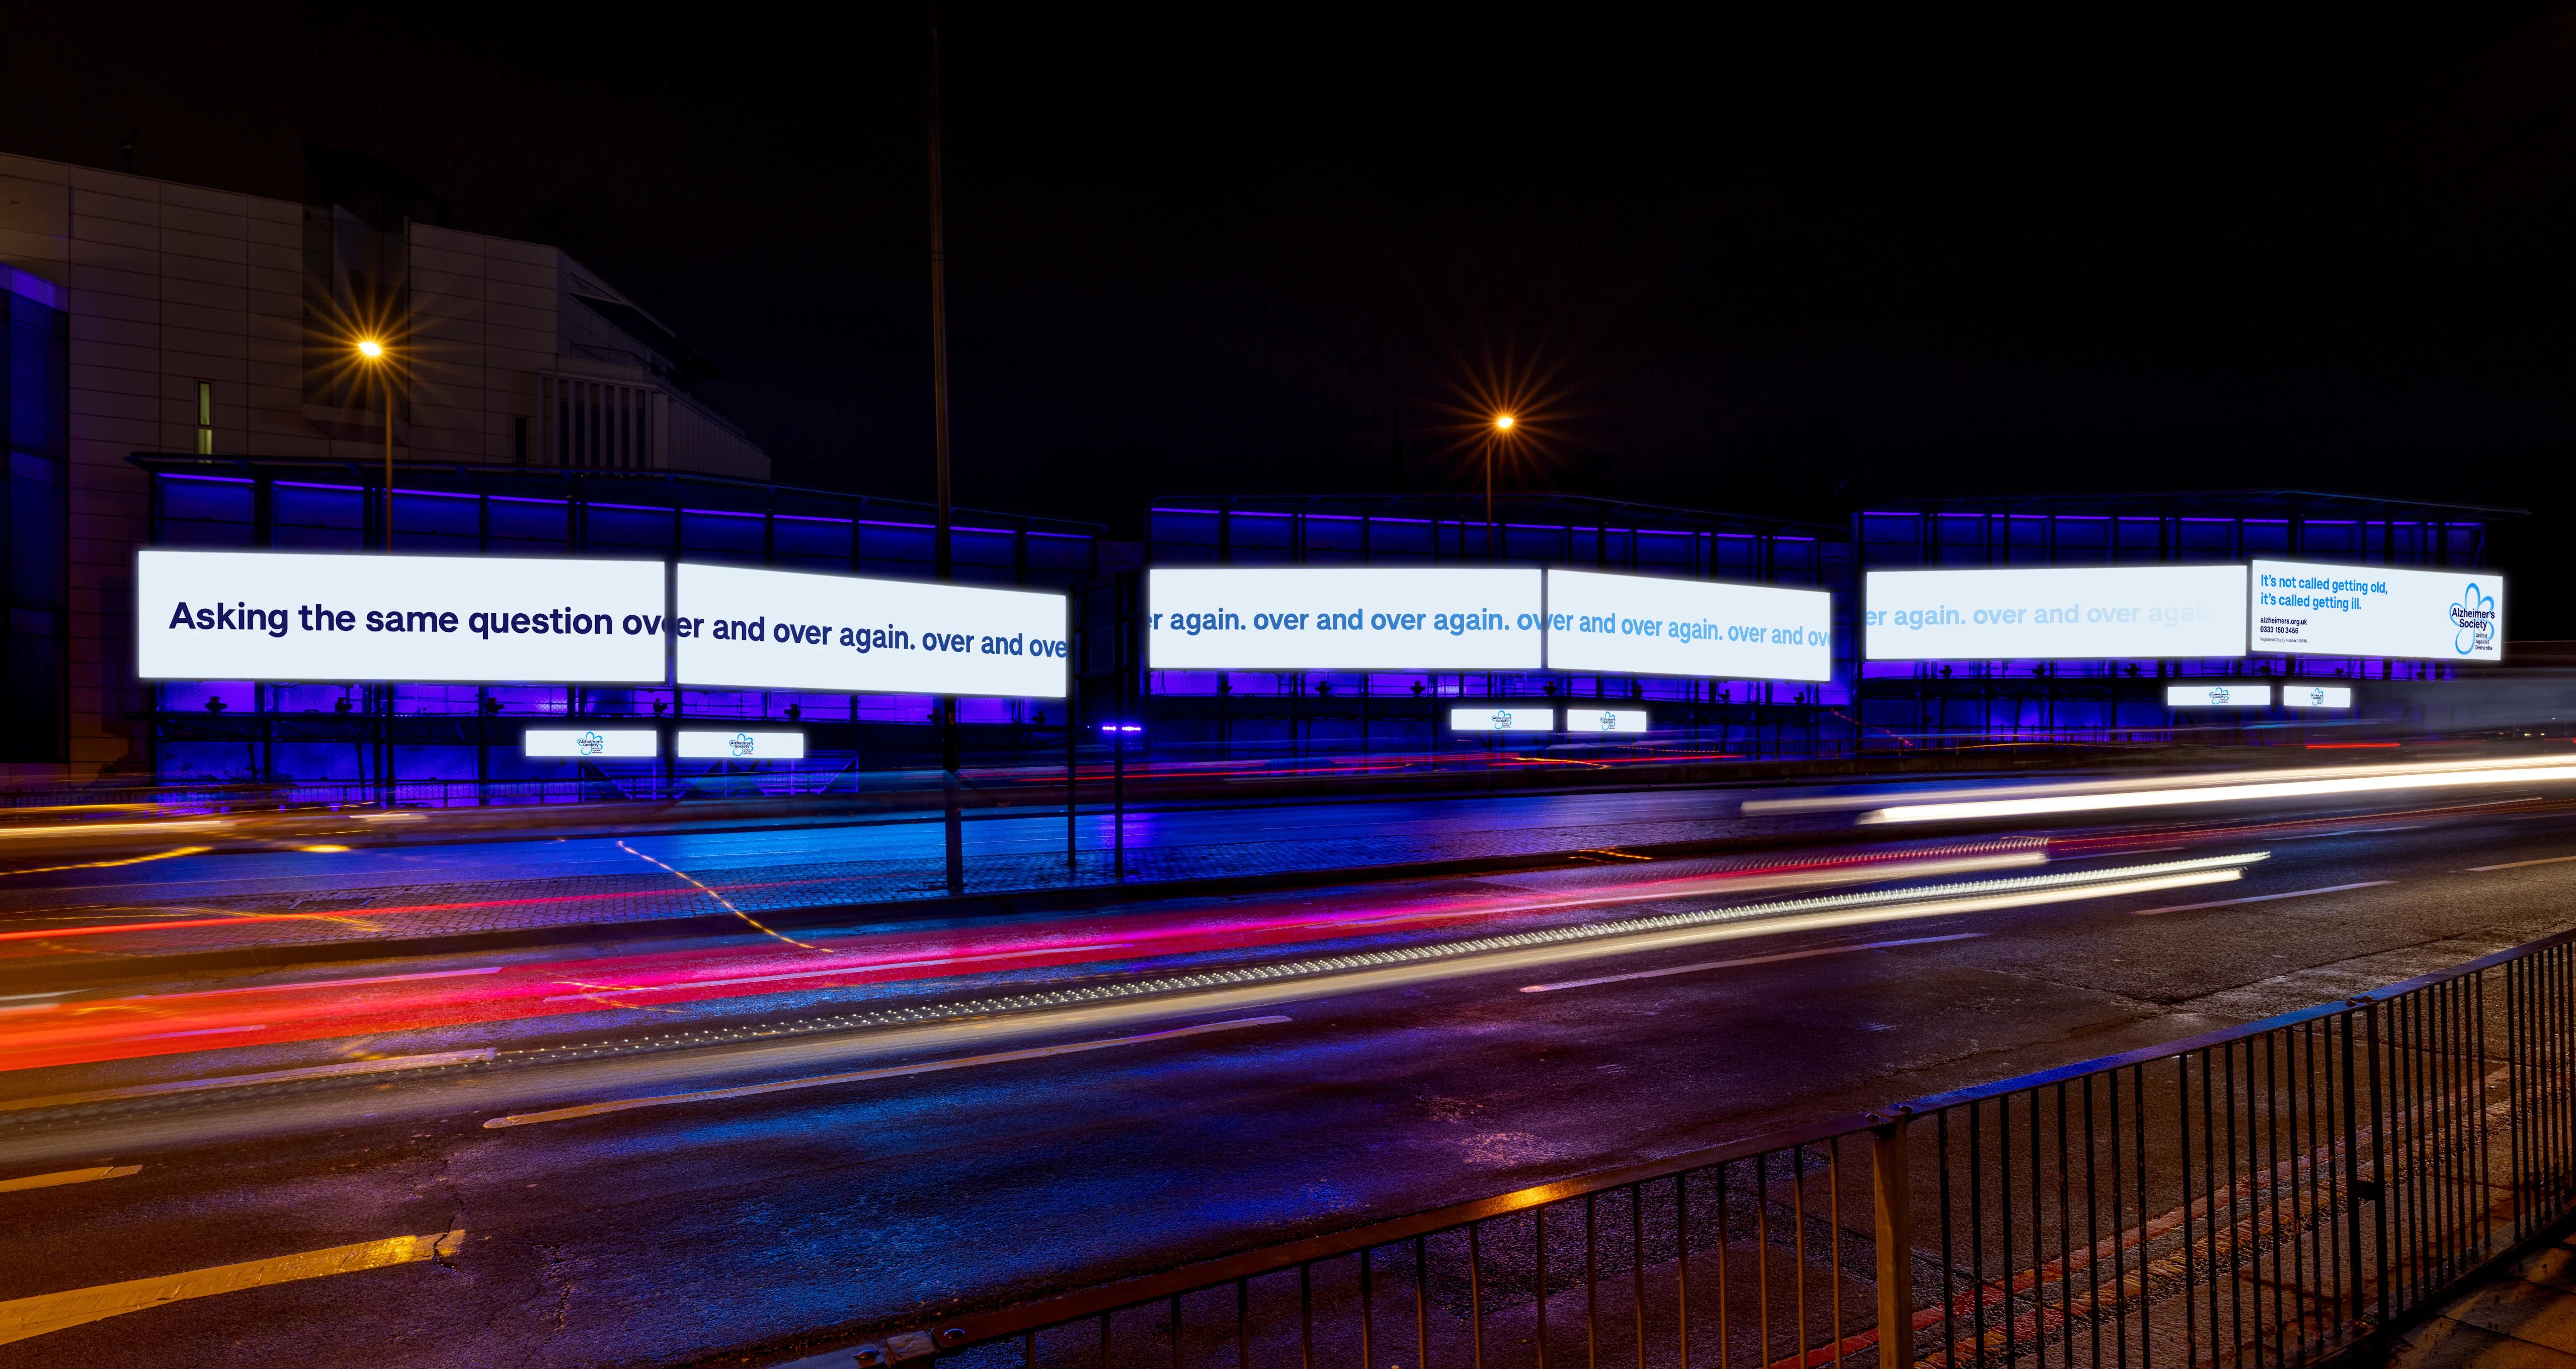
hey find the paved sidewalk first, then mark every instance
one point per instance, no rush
(2523, 1320)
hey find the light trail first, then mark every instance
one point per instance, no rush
(87, 1030)
(2174, 794)
(2147, 791)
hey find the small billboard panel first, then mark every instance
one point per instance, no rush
(592, 743)
(2306, 608)
(2316, 696)
(744, 628)
(328, 616)
(725, 745)
(1502, 718)
(1605, 720)
(2218, 696)
(1342, 618)
(2042, 613)
(1650, 625)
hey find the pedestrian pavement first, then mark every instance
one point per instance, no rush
(2524, 1318)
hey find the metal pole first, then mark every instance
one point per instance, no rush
(948, 757)
(1072, 760)
(386, 369)
(1892, 1202)
(1118, 802)
(1489, 496)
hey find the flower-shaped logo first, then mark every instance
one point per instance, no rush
(2474, 617)
(742, 744)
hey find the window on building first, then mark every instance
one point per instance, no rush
(205, 418)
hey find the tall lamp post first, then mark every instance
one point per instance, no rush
(373, 353)
(1493, 532)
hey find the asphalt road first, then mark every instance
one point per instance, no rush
(767, 1224)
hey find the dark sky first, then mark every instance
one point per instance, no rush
(1773, 265)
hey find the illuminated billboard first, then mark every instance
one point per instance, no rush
(1605, 720)
(731, 745)
(1342, 618)
(283, 615)
(592, 743)
(1648, 625)
(1503, 718)
(744, 628)
(2218, 695)
(2054, 613)
(2303, 608)
(2316, 696)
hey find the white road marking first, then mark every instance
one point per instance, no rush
(2518, 864)
(67, 1176)
(397, 1062)
(855, 1076)
(1746, 960)
(2263, 898)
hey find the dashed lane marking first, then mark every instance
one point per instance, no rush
(855, 1076)
(2263, 898)
(36, 1316)
(1746, 960)
(67, 1176)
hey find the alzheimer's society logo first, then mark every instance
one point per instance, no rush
(2475, 618)
(2218, 694)
(590, 743)
(742, 744)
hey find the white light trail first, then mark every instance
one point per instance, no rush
(2505, 770)
(2176, 794)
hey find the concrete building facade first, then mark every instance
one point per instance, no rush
(205, 322)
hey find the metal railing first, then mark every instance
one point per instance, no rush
(2273, 1193)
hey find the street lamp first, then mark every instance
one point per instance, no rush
(1502, 429)
(373, 353)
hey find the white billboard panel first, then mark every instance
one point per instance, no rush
(592, 743)
(2218, 696)
(2316, 696)
(1342, 618)
(284, 615)
(744, 628)
(2303, 608)
(1648, 625)
(1605, 720)
(1502, 718)
(739, 746)
(2054, 613)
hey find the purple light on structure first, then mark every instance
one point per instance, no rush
(1209, 512)
(214, 479)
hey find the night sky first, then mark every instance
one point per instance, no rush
(1775, 266)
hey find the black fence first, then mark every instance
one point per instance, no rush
(2271, 1194)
